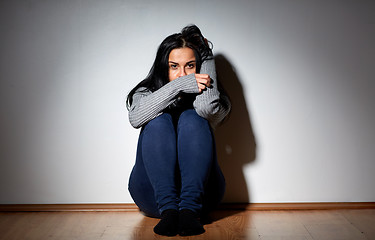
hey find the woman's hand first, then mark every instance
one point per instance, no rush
(203, 80)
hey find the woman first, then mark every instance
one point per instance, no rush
(176, 175)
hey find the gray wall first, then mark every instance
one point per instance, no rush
(300, 75)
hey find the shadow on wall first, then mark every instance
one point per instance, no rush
(235, 138)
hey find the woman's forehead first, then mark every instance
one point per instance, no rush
(182, 55)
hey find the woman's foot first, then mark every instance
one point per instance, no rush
(168, 225)
(189, 223)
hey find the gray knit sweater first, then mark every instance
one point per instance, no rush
(209, 104)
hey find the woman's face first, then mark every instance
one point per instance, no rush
(181, 62)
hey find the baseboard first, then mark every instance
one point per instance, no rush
(299, 206)
(67, 207)
(128, 207)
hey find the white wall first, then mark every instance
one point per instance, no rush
(302, 79)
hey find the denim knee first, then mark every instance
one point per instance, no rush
(161, 122)
(191, 121)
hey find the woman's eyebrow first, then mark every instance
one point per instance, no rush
(192, 61)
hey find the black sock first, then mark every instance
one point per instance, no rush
(189, 223)
(168, 225)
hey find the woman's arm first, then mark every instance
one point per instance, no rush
(147, 105)
(210, 104)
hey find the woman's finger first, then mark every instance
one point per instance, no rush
(203, 79)
(206, 82)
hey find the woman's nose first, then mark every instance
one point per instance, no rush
(182, 72)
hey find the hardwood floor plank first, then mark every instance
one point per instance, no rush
(273, 237)
(363, 220)
(225, 224)
(320, 217)
(334, 231)
(279, 225)
(231, 225)
(329, 225)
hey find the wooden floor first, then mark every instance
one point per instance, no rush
(227, 224)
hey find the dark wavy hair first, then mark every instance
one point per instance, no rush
(191, 37)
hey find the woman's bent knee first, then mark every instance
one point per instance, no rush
(190, 120)
(162, 121)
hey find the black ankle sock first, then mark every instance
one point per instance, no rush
(189, 223)
(168, 225)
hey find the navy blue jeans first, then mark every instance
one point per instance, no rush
(176, 166)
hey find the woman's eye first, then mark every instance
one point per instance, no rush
(173, 66)
(191, 65)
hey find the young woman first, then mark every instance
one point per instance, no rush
(176, 175)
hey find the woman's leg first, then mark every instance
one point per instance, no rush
(199, 171)
(195, 146)
(152, 182)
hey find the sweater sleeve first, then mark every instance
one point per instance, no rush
(147, 105)
(210, 104)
